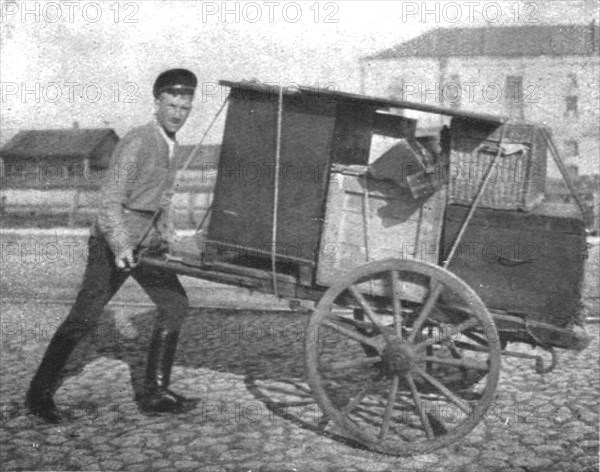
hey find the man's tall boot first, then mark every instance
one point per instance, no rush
(39, 398)
(157, 397)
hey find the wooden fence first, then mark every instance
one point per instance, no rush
(78, 207)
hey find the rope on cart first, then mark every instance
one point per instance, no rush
(366, 212)
(564, 173)
(276, 192)
(208, 210)
(183, 169)
(475, 201)
(192, 154)
(205, 217)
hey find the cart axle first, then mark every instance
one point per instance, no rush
(540, 368)
(399, 357)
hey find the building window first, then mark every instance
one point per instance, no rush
(13, 172)
(514, 97)
(69, 172)
(571, 148)
(452, 92)
(573, 81)
(571, 110)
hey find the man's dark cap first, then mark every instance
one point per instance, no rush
(175, 81)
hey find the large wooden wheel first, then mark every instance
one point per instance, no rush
(395, 381)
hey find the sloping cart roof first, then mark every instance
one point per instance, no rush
(363, 100)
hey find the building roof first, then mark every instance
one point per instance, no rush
(206, 154)
(40, 144)
(500, 41)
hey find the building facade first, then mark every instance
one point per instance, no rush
(543, 73)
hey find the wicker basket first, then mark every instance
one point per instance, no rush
(518, 176)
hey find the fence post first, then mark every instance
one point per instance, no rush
(190, 208)
(74, 207)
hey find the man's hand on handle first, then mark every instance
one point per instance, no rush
(126, 259)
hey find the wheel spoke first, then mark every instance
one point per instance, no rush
(389, 408)
(354, 402)
(351, 334)
(429, 350)
(417, 399)
(432, 297)
(323, 422)
(363, 327)
(396, 304)
(452, 347)
(463, 363)
(443, 390)
(365, 306)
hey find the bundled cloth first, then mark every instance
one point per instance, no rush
(413, 167)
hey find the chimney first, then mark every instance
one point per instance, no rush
(76, 124)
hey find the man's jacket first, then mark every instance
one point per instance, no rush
(138, 183)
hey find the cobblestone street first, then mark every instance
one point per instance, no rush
(255, 412)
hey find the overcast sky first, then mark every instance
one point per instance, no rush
(95, 62)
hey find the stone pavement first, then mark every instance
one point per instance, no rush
(246, 365)
(256, 413)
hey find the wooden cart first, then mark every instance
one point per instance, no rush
(421, 276)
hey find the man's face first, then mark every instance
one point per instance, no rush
(172, 111)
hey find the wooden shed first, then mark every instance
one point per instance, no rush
(57, 157)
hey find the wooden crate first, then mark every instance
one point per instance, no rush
(368, 219)
(522, 262)
(517, 180)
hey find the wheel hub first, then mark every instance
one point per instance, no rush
(398, 358)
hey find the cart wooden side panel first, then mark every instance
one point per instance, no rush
(368, 219)
(242, 215)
